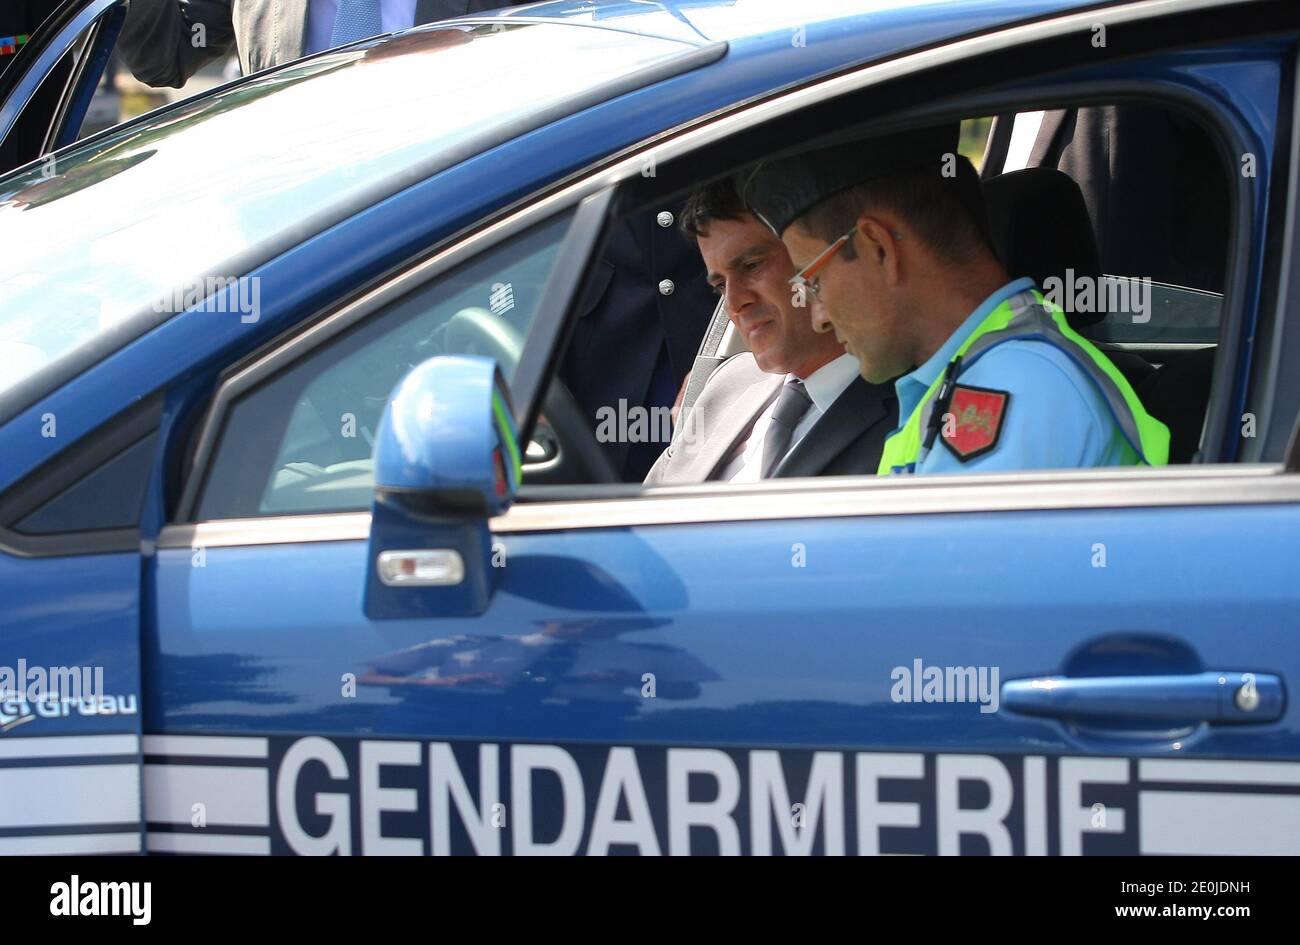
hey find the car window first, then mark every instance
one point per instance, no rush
(1154, 300)
(108, 497)
(1173, 314)
(1156, 191)
(975, 139)
(302, 440)
(120, 96)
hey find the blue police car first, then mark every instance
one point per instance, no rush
(305, 547)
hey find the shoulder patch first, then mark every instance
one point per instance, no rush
(975, 421)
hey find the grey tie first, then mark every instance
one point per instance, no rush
(356, 19)
(791, 405)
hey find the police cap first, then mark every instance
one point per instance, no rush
(785, 187)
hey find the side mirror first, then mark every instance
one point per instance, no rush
(446, 460)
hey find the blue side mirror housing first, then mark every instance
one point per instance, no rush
(447, 459)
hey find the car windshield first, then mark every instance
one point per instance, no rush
(99, 243)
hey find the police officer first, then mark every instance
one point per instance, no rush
(891, 237)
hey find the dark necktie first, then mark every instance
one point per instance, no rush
(791, 405)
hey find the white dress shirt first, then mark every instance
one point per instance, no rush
(824, 386)
(393, 15)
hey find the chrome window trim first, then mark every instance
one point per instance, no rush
(831, 497)
(674, 144)
(80, 60)
(1155, 346)
(282, 530)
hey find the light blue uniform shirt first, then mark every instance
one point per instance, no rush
(393, 15)
(1056, 418)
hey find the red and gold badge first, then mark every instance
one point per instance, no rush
(974, 420)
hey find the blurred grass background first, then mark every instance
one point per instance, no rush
(974, 137)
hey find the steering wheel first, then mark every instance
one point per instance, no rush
(477, 331)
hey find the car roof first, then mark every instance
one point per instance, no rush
(878, 28)
(769, 45)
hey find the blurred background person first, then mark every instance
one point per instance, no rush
(164, 42)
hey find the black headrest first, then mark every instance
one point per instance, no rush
(1040, 228)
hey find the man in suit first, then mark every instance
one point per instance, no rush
(794, 404)
(164, 42)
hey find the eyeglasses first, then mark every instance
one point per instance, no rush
(807, 276)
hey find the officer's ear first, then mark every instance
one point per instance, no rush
(877, 242)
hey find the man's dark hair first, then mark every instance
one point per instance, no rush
(947, 213)
(716, 201)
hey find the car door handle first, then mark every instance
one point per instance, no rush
(1211, 697)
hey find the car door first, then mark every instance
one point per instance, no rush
(506, 300)
(70, 719)
(1047, 663)
(70, 685)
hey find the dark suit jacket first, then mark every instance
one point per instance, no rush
(625, 322)
(847, 440)
(157, 41)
